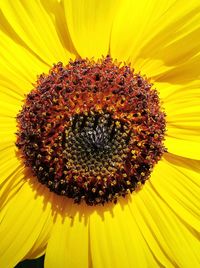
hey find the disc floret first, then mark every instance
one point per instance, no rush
(91, 130)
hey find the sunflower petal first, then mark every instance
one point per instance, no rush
(18, 68)
(167, 236)
(27, 210)
(87, 21)
(179, 191)
(154, 38)
(134, 25)
(183, 121)
(10, 186)
(8, 161)
(173, 60)
(119, 242)
(40, 244)
(70, 232)
(55, 9)
(33, 25)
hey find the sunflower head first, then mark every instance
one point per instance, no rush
(91, 130)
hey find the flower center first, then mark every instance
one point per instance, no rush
(96, 145)
(91, 131)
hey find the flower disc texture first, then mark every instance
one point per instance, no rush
(91, 130)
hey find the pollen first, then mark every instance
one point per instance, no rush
(91, 130)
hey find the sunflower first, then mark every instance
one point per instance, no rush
(99, 113)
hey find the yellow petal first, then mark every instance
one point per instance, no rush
(25, 217)
(8, 90)
(183, 73)
(165, 57)
(69, 238)
(152, 36)
(19, 68)
(108, 247)
(8, 160)
(90, 23)
(183, 121)
(179, 187)
(8, 113)
(57, 14)
(10, 105)
(134, 25)
(8, 136)
(116, 240)
(39, 247)
(10, 186)
(172, 244)
(185, 148)
(34, 27)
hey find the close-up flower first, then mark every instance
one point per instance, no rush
(100, 133)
